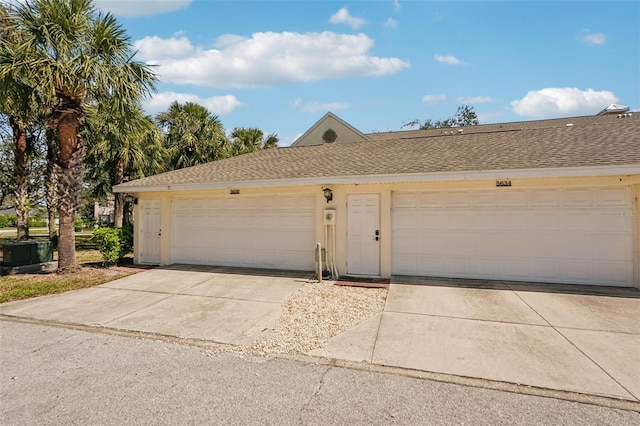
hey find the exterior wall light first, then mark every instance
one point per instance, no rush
(128, 198)
(328, 194)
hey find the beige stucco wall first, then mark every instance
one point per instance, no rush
(339, 203)
(636, 214)
(314, 136)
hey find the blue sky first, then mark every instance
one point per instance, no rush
(281, 65)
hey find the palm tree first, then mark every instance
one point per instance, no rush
(245, 140)
(192, 135)
(74, 56)
(18, 105)
(121, 146)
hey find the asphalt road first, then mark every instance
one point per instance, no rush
(51, 375)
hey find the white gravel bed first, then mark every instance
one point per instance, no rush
(317, 312)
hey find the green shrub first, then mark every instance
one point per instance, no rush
(126, 240)
(113, 244)
(8, 221)
(37, 223)
(108, 242)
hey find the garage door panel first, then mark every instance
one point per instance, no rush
(271, 231)
(457, 199)
(579, 235)
(406, 220)
(614, 197)
(617, 220)
(430, 244)
(579, 197)
(406, 240)
(545, 198)
(514, 198)
(457, 220)
(409, 199)
(613, 247)
(513, 220)
(429, 199)
(578, 220)
(514, 268)
(516, 246)
(619, 273)
(486, 199)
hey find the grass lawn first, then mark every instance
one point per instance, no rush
(90, 273)
(24, 286)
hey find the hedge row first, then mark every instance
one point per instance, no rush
(9, 221)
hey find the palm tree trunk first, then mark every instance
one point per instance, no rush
(22, 209)
(118, 202)
(21, 180)
(69, 171)
(51, 188)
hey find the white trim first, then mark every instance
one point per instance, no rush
(396, 178)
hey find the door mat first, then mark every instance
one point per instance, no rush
(363, 282)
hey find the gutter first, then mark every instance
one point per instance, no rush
(395, 178)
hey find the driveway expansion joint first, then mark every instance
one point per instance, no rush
(557, 330)
(467, 319)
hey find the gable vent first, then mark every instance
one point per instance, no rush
(330, 136)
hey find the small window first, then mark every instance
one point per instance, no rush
(330, 136)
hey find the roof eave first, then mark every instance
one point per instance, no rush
(632, 169)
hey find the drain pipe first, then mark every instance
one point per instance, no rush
(319, 262)
(334, 269)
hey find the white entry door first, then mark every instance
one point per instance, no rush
(150, 231)
(363, 242)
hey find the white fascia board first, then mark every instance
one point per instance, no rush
(398, 178)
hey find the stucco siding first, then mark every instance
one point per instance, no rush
(339, 203)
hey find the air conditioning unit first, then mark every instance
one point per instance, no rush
(329, 216)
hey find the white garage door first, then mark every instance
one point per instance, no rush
(581, 236)
(274, 231)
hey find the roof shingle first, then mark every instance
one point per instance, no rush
(561, 143)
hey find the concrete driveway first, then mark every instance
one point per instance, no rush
(570, 338)
(224, 305)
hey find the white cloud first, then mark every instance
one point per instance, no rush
(344, 17)
(266, 59)
(132, 8)
(156, 47)
(559, 102)
(475, 99)
(396, 4)
(217, 104)
(316, 106)
(226, 40)
(592, 38)
(390, 23)
(434, 99)
(448, 59)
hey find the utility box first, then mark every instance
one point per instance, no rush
(25, 253)
(43, 252)
(329, 217)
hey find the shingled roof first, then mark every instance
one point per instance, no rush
(576, 142)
